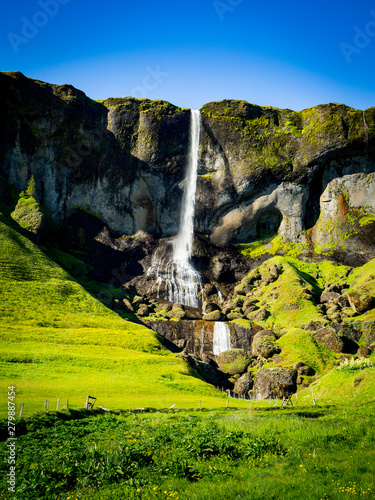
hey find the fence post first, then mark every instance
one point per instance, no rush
(67, 404)
(21, 410)
(46, 404)
(87, 402)
(58, 403)
(227, 403)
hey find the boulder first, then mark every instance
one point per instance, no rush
(359, 302)
(163, 307)
(213, 316)
(243, 384)
(249, 302)
(128, 306)
(137, 301)
(364, 351)
(303, 369)
(314, 326)
(264, 344)
(234, 315)
(274, 271)
(330, 339)
(176, 313)
(261, 315)
(236, 302)
(143, 310)
(275, 382)
(233, 361)
(209, 307)
(328, 296)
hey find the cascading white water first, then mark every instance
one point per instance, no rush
(221, 339)
(182, 282)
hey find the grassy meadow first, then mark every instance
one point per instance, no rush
(59, 341)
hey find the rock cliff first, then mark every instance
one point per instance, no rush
(307, 175)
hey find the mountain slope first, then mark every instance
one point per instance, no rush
(59, 341)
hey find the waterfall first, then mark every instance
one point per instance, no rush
(221, 340)
(219, 295)
(182, 282)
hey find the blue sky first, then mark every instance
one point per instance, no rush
(282, 53)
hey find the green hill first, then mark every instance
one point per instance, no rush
(59, 341)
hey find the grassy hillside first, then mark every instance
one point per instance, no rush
(59, 341)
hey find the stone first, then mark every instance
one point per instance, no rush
(261, 315)
(303, 369)
(209, 307)
(264, 344)
(239, 290)
(250, 310)
(128, 305)
(137, 300)
(178, 305)
(274, 271)
(275, 382)
(233, 361)
(359, 302)
(234, 315)
(364, 351)
(249, 303)
(176, 313)
(328, 296)
(329, 338)
(213, 316)
(314, 326)
(243, 384)
(343, 301)
(237, 302)
(143, 310)
(162, 307)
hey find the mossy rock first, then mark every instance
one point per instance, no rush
(264, 344)
(330, 339)
(176, 314)
(233, 361)
(28, 214)
(213, 316)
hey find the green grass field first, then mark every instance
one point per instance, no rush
(58, 341)
(278, 453)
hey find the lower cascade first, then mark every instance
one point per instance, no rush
(182, 282)
(221, 339)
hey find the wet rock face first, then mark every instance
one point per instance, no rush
(196, 336)
(276, 383)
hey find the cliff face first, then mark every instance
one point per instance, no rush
(307, 175)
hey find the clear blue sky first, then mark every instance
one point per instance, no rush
(282, 53)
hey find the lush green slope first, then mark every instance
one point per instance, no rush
(59, 341)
